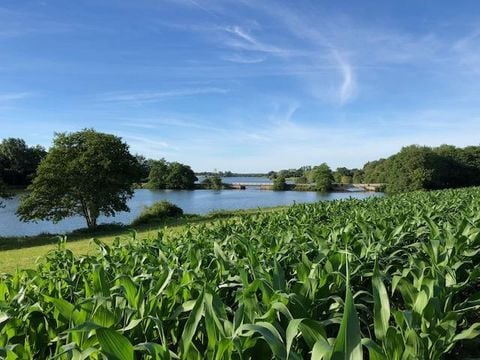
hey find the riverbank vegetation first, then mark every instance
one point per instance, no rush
(393, 277)
(158, 212)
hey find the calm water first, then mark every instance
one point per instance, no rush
(244, 179)
(193, 202)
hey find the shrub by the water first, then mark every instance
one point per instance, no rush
(157, 212)
(213, 182)
(279, 184)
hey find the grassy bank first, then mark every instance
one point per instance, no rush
(23, 252)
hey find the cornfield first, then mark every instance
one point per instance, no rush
(381, 278)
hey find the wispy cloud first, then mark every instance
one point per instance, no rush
(145, 97)
(148, 145)
(467, 50)
(156, 123)
(21, 23)
(348, 84)
(241, 59)
(13, 96)
(242, 39)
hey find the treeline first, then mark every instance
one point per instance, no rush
(425, 168)
(412, 168)
(229, 174)
(317, 178)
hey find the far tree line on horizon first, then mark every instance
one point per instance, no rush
(89, 173)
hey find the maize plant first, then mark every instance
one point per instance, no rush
(381, 278)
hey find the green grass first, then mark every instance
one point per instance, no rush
(25, 252)
(381, 278)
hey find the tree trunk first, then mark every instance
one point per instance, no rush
(93, 223)
(89, 215)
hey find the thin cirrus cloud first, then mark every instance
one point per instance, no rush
(14, 96)
(153, 96)
(348, 84)
(163, 122)
(243, 40)
(241, 59)
(468, 51)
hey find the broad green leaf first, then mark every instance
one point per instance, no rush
(381, 310)
(68, 310)
(271, 336)
(471, 333)
(191, 325)
(114, 345)
(348, 344)
(322, 350)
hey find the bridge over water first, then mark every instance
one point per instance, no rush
(338, 187)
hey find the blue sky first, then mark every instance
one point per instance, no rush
(244, 85)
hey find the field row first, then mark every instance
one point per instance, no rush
(383, 278)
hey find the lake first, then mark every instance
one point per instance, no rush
(191, 201)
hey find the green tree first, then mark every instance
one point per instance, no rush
(346, 179)
(322, 177)
(85, 173)
(411, 169)
(375, 172)
(358, 176)
(157, 179)
(301, 180)
(279, 183)
(19, 162)
(213, 182)
(145, 165)
(342, 175)
(164, 175)
(180, 177)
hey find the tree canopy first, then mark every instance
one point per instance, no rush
(174, 175)
(19, 162)
(279, 183)
(425, 168)
(85, 173)
(322, 177)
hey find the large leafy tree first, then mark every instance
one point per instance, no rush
(85, 173)
(323, 177)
